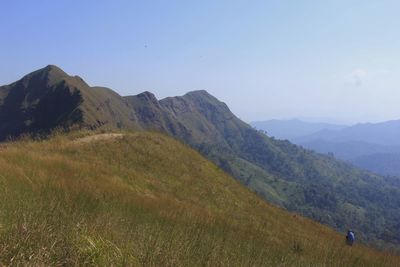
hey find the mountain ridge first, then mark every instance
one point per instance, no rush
(383, 133)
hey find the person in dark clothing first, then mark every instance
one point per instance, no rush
(350, 237)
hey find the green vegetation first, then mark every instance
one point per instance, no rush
(145, 199)
(327, 190)
(320, 187)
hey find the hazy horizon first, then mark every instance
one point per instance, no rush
(331, 61)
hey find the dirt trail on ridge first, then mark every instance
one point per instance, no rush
(98, 137)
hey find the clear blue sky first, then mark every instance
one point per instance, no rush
(266, 59)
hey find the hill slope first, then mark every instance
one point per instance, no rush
(317, 186)
(146, 199)
(325, 189)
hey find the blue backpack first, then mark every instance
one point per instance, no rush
(350, 237)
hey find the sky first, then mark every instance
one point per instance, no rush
(333, 60)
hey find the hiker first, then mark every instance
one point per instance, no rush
(350, 237)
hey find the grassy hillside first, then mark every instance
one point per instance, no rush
(318, 186)
(146, 199)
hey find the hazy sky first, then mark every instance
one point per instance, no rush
(265, 59)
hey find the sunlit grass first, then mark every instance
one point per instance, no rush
(148, 200)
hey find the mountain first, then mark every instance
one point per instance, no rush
(145, 199)
(317, 186)
(349, 150)
(374, 147)
(384, 133)
(382, 163)
(50, 98)
(291, 129)
(380, 159)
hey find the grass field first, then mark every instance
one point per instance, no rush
(144, 199)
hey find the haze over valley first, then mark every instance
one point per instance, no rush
(371, 146)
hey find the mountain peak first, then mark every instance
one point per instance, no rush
(147, 95)
(51, 67)
(143, 98)
(51, 70)
(198, 93)
(50, 75)
(202, 96)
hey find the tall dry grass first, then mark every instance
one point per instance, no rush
(148, 200)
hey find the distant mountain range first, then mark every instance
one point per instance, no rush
(384, 133)
(318, 186)
(371, 146)
(292, 129)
